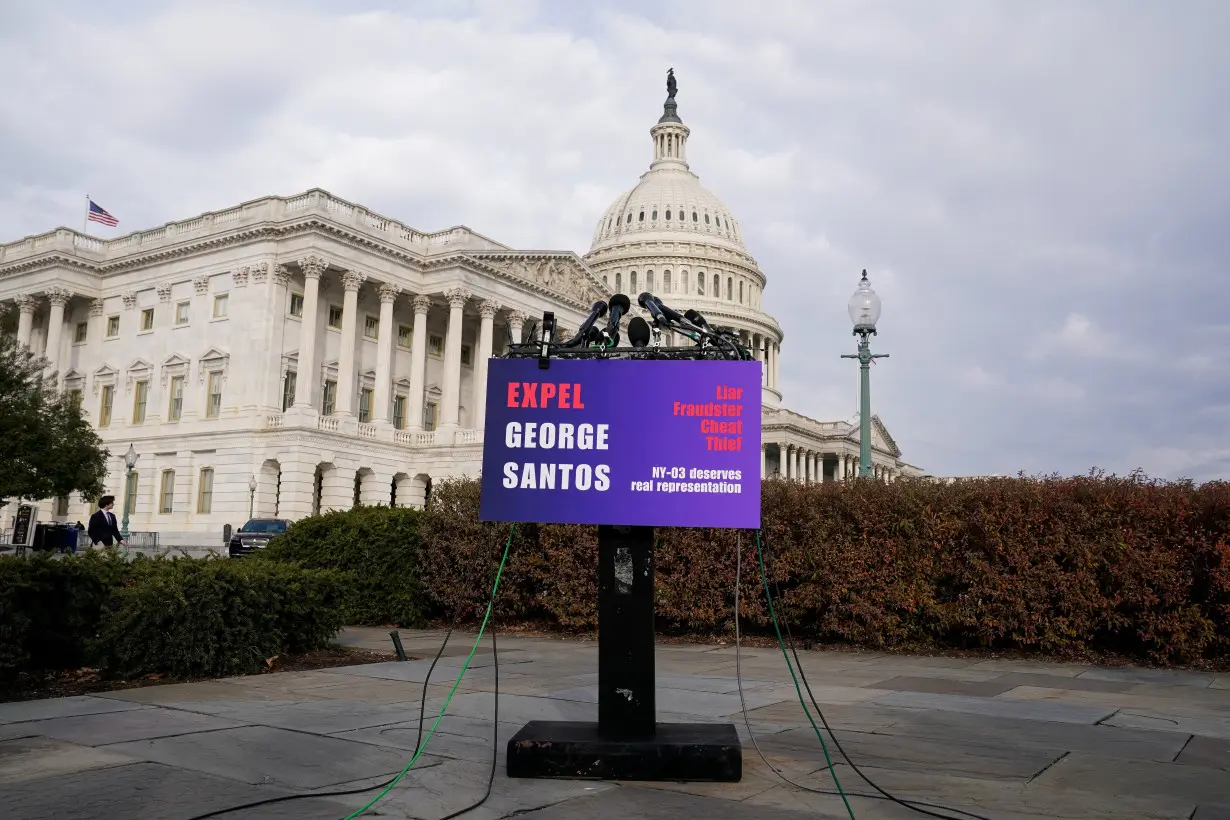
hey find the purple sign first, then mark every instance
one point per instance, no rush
(617, 441)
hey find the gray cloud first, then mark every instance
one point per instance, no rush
(1039, 192)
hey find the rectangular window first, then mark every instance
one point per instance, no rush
(329, 398)
(467, 355)
(399, 412)
(113, 327)
(76, 396)
(81, 333)
(182, 311)
(147, 319)
(105, 405)
(139, 400)
(166, 493)
(296, 304)
(288, 390)
(176, 408)
(335, 317)
(404, 335)
(365, 406)
(221, 306)
(213, 401)
(435, 345)
(130, 493)
(62, 505)
(429, 416)
(205, 491)
(371, 327)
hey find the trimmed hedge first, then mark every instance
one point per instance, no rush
(184, 617)
(378, 550)
(1123, 565)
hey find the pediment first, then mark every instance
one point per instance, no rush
(214, 355)
(105, 372)
(402, 383)
(139, 365)
(563, 275)
(881, 439)
(175, 360)
(174, 364)
(434, 391)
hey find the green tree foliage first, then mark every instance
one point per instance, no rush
(47, 447)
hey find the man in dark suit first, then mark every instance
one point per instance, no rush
(103, 529)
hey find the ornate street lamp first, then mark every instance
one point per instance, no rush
(251, 496)
(130, 461)
(864, 313)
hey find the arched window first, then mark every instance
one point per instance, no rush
(694, 219)
(700, 283)
(604, 281)
(619, 282)
(668, 214)
(641, 218)
(632, 281)
(666, 281)
(629, 222)
(740, 291)
(655, 215)
(717, 286)
(649, 281)
(706, 219)
(730, 289)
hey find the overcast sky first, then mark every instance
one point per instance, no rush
(1040, 191)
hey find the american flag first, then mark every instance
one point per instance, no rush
(97, 214)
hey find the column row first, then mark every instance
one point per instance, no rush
(313, 269)
(798, 463)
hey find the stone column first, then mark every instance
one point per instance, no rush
(58, 297)
(384, 354)
(786, 455)
(25, 319)
(457, 298)
(764, 448)
(516, 321)
(798, 466)
(777, 371)
(487, 311)
(305, 374)
(271, 398)
(346, 394)
(418, 362)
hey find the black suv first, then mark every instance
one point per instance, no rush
(256, 534)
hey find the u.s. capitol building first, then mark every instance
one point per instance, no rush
(335, 356)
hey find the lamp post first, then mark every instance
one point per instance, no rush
(251, 495)
(130, 461)
(864, 310)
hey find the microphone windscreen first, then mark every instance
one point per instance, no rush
(694, 317)
(638, 332)
(643, 298)
(621, 301)
(599, 309)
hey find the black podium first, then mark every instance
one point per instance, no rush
(627, 742)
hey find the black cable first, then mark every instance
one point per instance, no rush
(913, 805)
(422, 712)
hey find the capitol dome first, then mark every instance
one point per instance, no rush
(671, 236)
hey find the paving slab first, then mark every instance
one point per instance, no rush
(1209, 811)
(1138, 778)
(1169, 677)
(456, 738)
(317, 716)
(148, 791)
(105, 728)
(684, 701)
(978, 730)
(199, 692)
(32, 757)
(1210, 752)
(1072, 683)
(944, 686)
(997, 707)
(1209, 727)
(21, 711)
(656, 804)
(265, 755)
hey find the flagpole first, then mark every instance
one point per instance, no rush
(85, 220)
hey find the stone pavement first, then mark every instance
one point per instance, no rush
(1006, 740)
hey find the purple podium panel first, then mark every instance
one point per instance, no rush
(656, 443)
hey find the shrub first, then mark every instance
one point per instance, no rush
(1124, 565)
(376, 547)
(213, 617)
(49, 608)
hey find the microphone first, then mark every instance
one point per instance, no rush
(619, 305)
(544, 343)
(695, 318)
(638, 332)
(583, 332)
(670, 313)
(650, 303)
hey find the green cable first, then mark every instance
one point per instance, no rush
(789, 666)
(456, 683)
